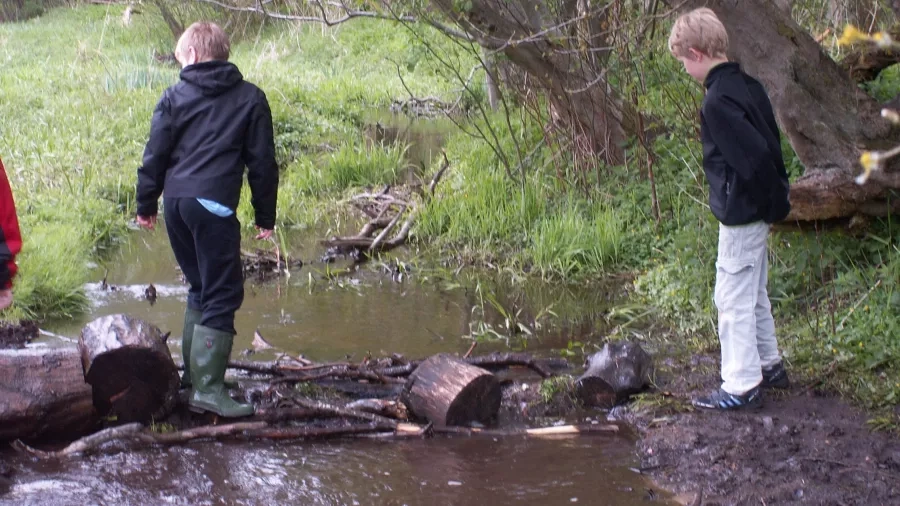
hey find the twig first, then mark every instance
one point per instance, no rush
(471, 348)
(386, 230)
(860, 301)
(84, 444)
(345, 412)
(439, 174)
(540, 431)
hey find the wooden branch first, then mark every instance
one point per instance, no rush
(381, 421)
(348, 14)
(439, 174)
(387, 230)
(571, 430)
(84, 444)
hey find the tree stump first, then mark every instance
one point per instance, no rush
(447, 391)
(613, 374)
(43, 394)
(130, 368)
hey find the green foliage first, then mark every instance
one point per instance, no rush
(555, 386)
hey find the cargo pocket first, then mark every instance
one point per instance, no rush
(735, 283)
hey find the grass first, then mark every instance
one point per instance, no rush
(83, 103)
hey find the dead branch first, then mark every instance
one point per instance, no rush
(84, 444)
(323, 18)
(383, 407)
(570, 430)
(387, 374)
(386, 231)
(439, 174)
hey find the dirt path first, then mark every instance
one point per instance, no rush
(802, 447)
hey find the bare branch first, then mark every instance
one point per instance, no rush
(348, 13)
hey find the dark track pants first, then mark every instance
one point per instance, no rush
(208, 249)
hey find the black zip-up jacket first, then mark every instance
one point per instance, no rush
(742, 150)
(205, 130)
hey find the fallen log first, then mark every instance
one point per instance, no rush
(447, 391)
(43, 394)
(613, 374)
(130, 368)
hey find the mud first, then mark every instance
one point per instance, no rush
(17, 335)
(804, 446)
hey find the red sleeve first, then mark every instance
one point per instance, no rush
(10, 237)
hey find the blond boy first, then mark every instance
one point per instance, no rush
(205, 130)
(748, 190)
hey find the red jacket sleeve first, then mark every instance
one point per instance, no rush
(10, 237)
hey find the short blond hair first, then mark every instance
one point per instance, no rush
(699, 29)
(208, 40)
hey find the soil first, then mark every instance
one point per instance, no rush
(17, 335)
(804, 446)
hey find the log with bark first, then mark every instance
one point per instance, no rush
(447, 391)
(43, 394)
(130, 368)
(613, 374)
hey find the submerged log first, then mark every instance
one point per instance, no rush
(447, 391)
(614, 373)
(131, 370)
(43, 394)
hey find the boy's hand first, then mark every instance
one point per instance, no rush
(264, 234)
(6, 299)
(148, 222)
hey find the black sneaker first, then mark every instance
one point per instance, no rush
(775, 377)
(723, 401)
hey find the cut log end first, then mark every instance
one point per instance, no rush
(479, 401)
(595, 392)
(447, 391)
(132, 384)
(130, 368)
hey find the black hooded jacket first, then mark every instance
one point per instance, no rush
(204, 131)
(742, 150)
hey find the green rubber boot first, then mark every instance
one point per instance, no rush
(210, 350)
(192, 317)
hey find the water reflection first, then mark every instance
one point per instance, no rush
(441, 471)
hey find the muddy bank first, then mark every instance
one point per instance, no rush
(16, 335)
(804, 446)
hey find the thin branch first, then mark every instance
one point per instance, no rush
(348, 14)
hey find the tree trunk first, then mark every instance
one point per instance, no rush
(582, 102)
(613, 374)
(130, 368)
(827, 118)
(447, 391)
(43, 394)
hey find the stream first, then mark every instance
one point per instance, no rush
(343, 318)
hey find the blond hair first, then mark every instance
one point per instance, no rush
(208, 40)
(699, 29)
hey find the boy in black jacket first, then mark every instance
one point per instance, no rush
(204, 131)
(748, 190)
